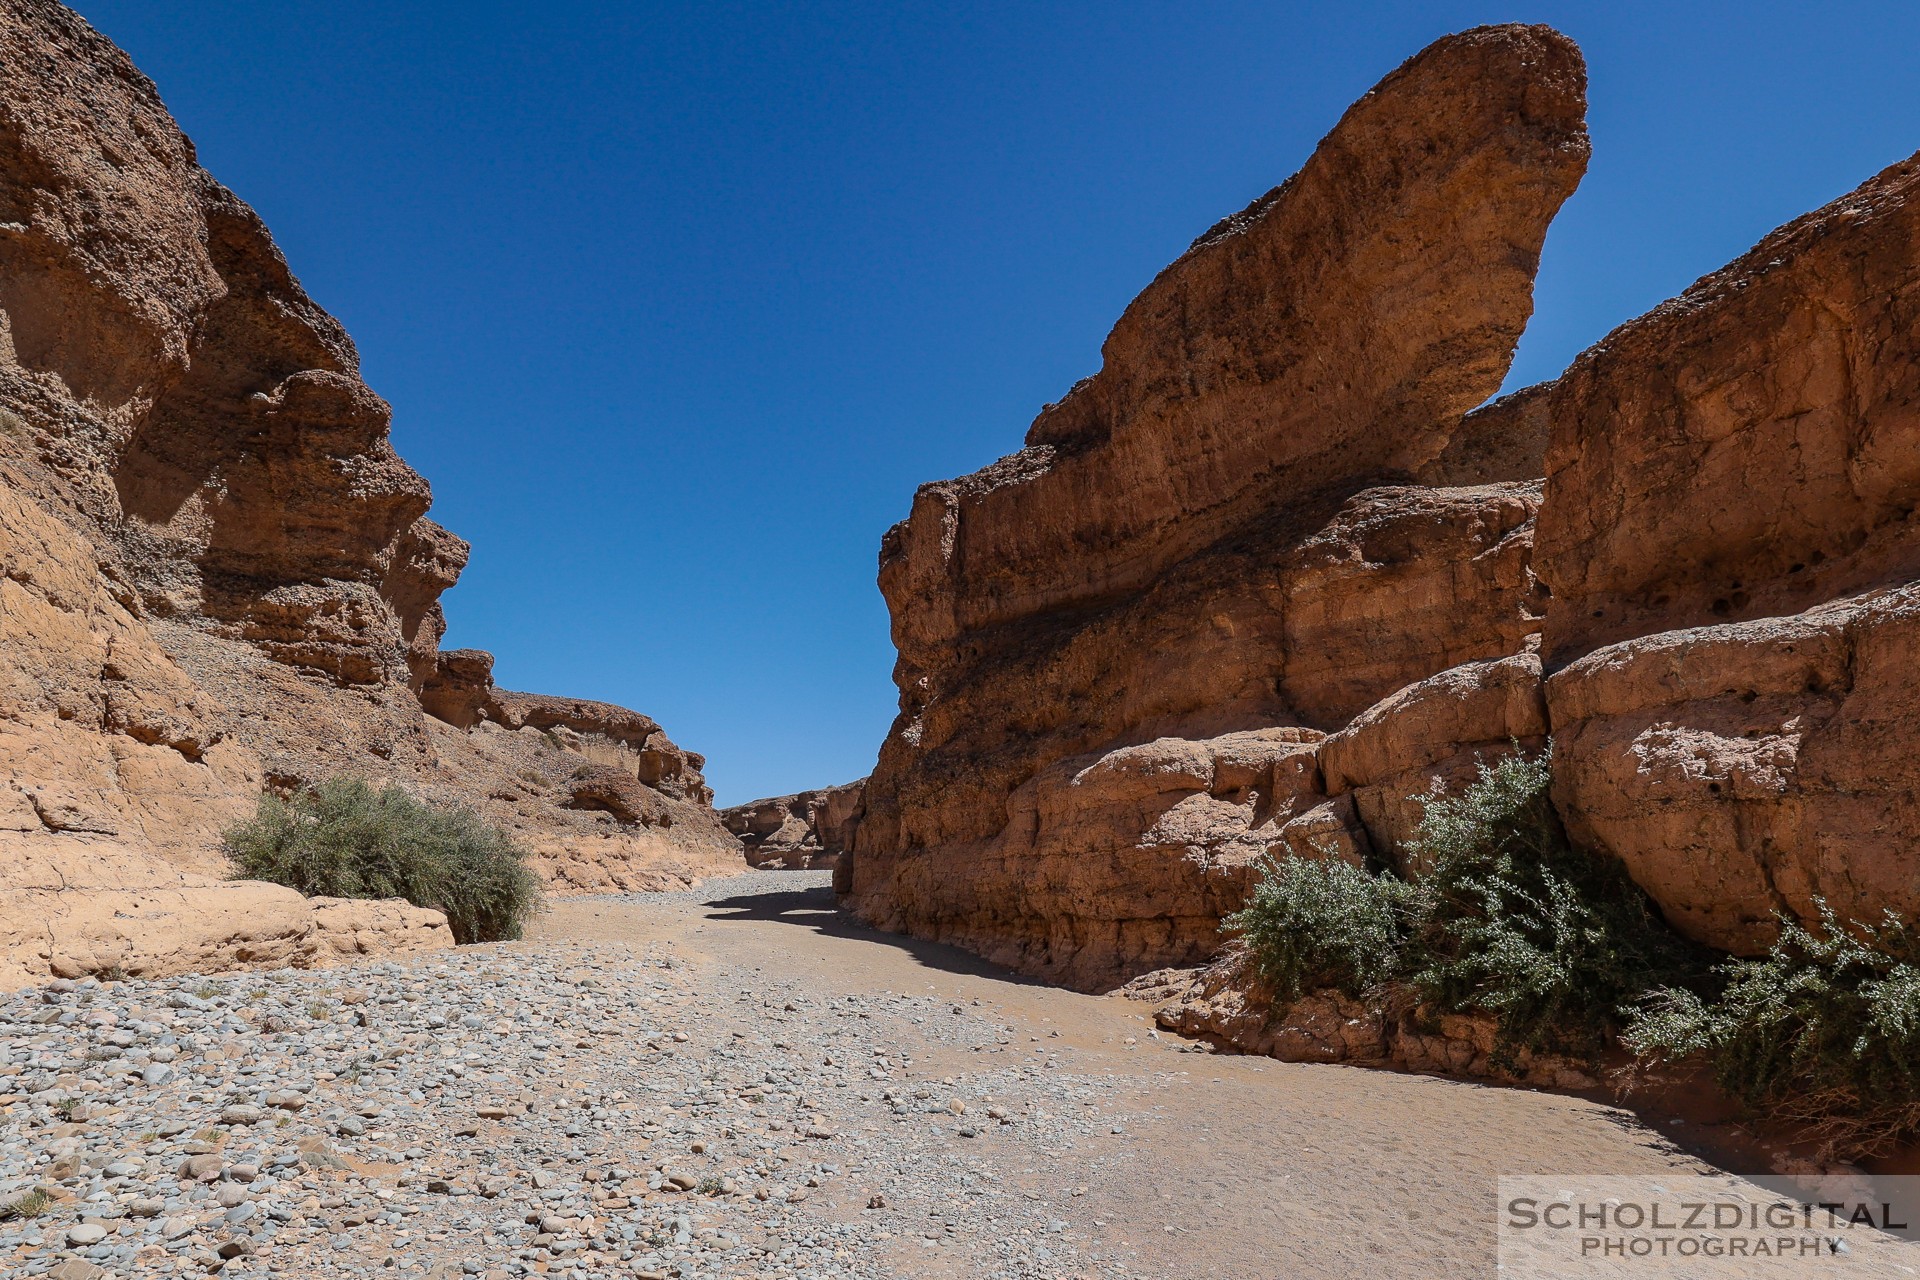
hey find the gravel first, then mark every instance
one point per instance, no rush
(580, 1109)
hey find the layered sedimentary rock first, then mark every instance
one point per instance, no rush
(1730, 537)
(810, 830)
(1260, 587)
(1120, 647)
(1226, 1004)
(599, 794)
(1430, 738)
(218, 574)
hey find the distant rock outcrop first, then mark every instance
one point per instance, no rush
(1121, 647)
(808, 831)
(217, 574)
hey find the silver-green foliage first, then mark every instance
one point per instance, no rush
(347, 839)
(1316, 923)
(1513, 921)
(1504, 918)
(1824, 1029)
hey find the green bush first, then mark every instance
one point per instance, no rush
(1510, 920)
(1506, 918)
(345, 839)
(1314, 923)
(1823, 1031)
(1503, 918)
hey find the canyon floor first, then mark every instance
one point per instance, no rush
(734, 1081)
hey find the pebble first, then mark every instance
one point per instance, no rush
(541, 1108)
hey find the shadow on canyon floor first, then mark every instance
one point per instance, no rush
(814, 908)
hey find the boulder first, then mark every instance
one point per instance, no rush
(1752, 769)
(1429, 739)
(105, 913)
(1226, 1004)
(458, 687)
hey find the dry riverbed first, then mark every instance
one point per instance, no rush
(729, 1082)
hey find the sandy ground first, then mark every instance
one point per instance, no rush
(1216, 1166)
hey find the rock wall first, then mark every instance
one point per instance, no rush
(1121, 647)
(218, 575)
(809, 831)
(1730, 537)
(1263, 583)
(1226, 1004)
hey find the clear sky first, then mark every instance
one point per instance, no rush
(676, 304)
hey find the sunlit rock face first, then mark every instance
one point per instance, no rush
(1269, 509)
(218, 575)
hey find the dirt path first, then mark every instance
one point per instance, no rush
(1178, 1164)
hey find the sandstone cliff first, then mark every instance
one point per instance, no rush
(1263, 582)
(808, 831)
(1731, 540)
(1121, 648)
(218, 575)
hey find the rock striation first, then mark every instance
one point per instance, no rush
(1121, 648)
(1264, 583)
(1731, 541)
(218, 575)
(809, 831)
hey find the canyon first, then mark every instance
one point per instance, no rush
(803, 832)
(1280, 571)
(1287, 567)
(218, 578)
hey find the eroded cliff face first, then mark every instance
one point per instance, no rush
(1121, 647)
(1730, 536)
(1259, 587)
(218, 574)
(599, 794)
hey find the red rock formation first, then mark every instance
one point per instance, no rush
(1753, 767)
(809, 831)
(1226, 1004)
(1429, 738)
(1750, 448)
(1730, 536)
(1119, 645)
(219, 575)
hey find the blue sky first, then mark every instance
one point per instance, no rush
(676, 304)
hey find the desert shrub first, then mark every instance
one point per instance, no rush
(1504, 917)
(347, 839)
(1319, 922)
(1510, 920)
(1822, 1031)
